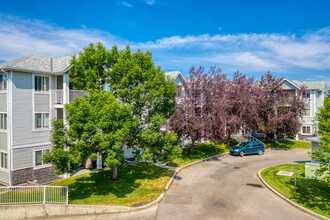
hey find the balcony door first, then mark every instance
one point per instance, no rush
(59, 82)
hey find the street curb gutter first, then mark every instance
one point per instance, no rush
(290, 201)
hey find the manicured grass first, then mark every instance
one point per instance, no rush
(311, 194)
(200, 152)
(288, 144)
(137, 185)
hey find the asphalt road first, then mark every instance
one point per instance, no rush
(224, 188)
(229, 188)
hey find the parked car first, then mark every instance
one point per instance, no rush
(243, 148)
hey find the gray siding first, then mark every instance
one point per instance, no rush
(3, 141)
(4, 177)
(23, 157)
(3, 102)
(23, 123)
(41, 103)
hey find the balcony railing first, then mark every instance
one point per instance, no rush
(59, 95)
(76, 93)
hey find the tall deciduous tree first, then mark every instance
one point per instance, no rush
(133, 84)
(279, 112)
(322, 155)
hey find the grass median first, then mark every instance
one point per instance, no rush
(200, 152)
(311, 194)
(287, 144)
(136, 186)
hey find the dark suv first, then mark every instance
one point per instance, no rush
(243, 148)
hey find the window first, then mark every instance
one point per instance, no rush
(307, 94)
(3, 82)
(41, 83)
(3, 160)
(307, 111)
(41, 120)
(3, 121)
(306, 130)
(38, 157)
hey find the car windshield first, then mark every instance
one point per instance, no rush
(242, 144)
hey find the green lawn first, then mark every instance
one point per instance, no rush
(200, 152)
(137, 185)
(288, 144)
(312, 194)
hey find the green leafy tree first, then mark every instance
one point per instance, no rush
(137, 101)
(98, 123)
(322, 155)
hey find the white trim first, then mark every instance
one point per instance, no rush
(1, 168)
(5, 130)
(42, 120)
(34, 159)
(310, 129)
(10, 139)
(31, 145)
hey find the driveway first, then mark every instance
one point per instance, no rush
(229, 188)
(225, 188)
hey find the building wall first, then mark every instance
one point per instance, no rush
(23, 111)
(24, 157)
(30, 174)
(3, 102)
(4, 177)
(3, 141)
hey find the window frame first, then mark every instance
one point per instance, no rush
(309, 108)
(306, 126)
(2, 122)
(306, 94)
(42, 165)
(42, 84)
(42, 121)
(1, 157)
(3, 82)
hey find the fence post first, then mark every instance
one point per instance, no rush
(67, 195)
(44, 194)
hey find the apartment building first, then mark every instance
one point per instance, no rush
(314, 95)
(33, 90)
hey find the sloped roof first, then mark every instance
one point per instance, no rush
(312, 85)
(174, 75)
(38, 63)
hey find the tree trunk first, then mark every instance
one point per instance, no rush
(192, 149)
(114, 173)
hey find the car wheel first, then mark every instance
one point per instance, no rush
(241, 153)
(260, 152)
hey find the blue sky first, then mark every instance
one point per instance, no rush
(288, 37)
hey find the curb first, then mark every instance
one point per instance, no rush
(290, 201)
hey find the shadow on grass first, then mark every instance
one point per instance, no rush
(99, 183)
(312, 194)
(200, 152)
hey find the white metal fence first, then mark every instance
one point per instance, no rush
(34, 194)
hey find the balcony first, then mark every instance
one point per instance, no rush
(59, 95)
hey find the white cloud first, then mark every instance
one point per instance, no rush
(127, 4)
(150, 2)
(246, 52)
(21, 37)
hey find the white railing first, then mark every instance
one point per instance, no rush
(34, 194)
(59, 94)
(76, 93)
